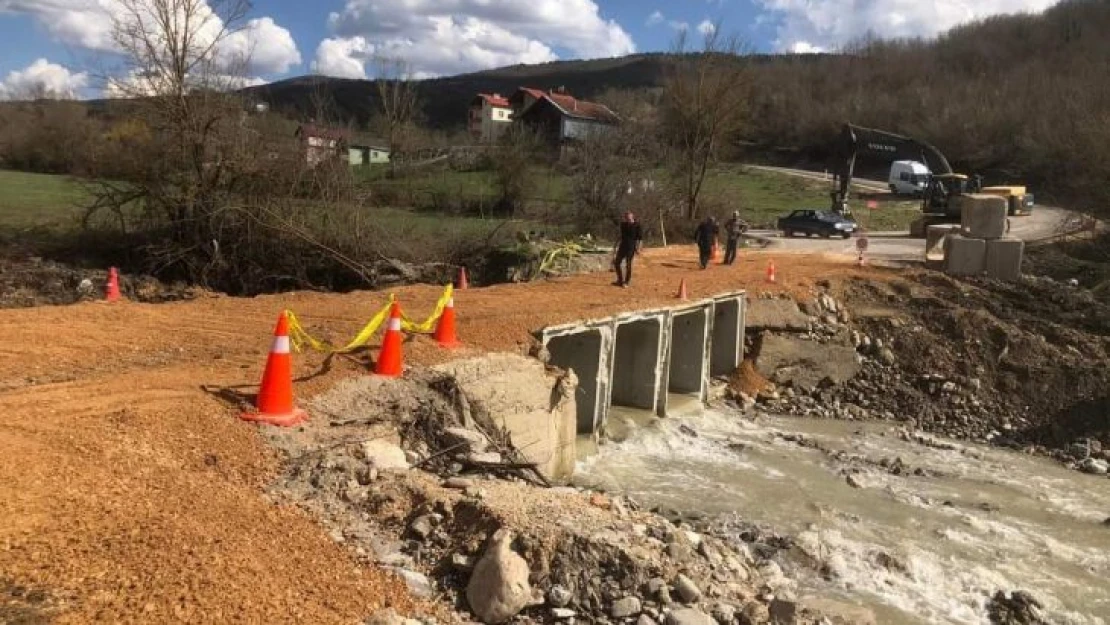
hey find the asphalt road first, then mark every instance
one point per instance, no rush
(1044, 222)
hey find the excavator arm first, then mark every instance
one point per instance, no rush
(856, 140)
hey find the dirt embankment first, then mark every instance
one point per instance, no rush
(1021, 364)
(129, 493)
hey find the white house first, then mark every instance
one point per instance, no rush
(490, 115)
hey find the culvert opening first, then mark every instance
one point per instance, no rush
(687, 361)
(580, 352)
(726, 353)
(635, 363)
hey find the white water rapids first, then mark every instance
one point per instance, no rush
(980, 520)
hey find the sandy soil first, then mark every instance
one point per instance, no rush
(130, 494)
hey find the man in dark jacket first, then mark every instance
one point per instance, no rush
(706, 236)
(734, 229)
(631, 243)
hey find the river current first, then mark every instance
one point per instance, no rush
(926, 530)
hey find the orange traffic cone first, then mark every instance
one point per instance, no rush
(716, 252)
(445, 329)
(461, 282)
(389, 358)
(681, 290)
(111, 290)
(771, 271)
(275, 396)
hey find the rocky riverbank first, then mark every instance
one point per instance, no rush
(1021, 365)
(407, 478)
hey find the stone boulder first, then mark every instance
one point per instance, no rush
(805, 364)
(498, 589)
(384, 455)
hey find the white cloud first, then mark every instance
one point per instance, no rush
(451, 36)
(655, 18)
(826, 24)
(805, 47)
(269, 47)
(88, 24)
(343, 58)
(707, 27)
(45, 79)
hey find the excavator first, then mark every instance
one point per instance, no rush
(944, 190)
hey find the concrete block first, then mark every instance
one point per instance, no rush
(983, 216)
(536, 407)
(964, 256)
(1004, 258)
(934, 239)
(636, 362)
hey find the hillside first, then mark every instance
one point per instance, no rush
(1021, 98)
(445, 100)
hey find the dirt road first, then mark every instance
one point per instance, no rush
(129, 494)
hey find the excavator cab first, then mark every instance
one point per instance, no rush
(941, 193)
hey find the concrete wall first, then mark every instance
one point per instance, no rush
(637, 359)
(728, 335)
(636, 363)
(581, 352)
(689, 337)
(537, 408)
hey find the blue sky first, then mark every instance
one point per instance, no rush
(57, 43)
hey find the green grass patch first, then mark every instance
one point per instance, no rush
(39, 200)
(763, 196)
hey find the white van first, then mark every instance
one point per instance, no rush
(908, 178)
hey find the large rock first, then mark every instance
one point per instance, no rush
(623, 608)
(1094, 466)
(775, 314)
(498, 589)
(804, 364)
(468, 441)
(687, 590)
(536, 407)
(384, 455)
(689, 616)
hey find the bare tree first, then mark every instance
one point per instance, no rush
(397, 99)
(704, 107)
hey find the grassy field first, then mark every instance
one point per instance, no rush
(760, 196)
(38, 200)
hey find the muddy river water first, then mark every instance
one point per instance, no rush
(925, 548)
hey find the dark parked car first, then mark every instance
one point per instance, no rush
(823, 223)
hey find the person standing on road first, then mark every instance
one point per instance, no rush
(705, 236)
(630, 244)
(734, 229)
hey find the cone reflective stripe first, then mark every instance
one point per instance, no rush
(275, 404)
(111, 290)
(389, 358)
(682, 290)
(445, 329)
(461, 282)
(771, 271)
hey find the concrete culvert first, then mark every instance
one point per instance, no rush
(636, 363)
(688, 352)
(728, 335)
(580, 352)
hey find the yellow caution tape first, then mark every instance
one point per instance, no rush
(300, 338)
(429, 324)
(566, 249)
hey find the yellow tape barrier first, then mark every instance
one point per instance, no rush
(299, 337)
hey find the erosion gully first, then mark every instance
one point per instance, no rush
(928, 542)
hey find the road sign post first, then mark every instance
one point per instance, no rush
(861, 245)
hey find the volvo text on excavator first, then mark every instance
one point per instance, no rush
(944, 189)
